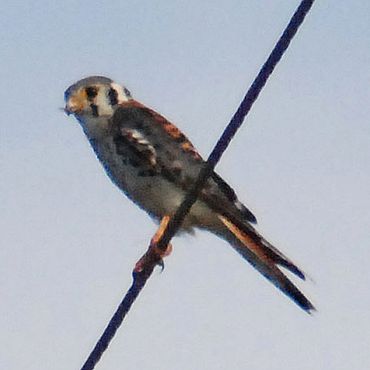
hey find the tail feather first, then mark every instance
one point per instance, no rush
(269, 249)
(279, 258)
(265, 258)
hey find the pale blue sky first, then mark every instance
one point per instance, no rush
(301, 163)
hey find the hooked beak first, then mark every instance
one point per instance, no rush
(74, 105)
(71, 108)
(66, 110)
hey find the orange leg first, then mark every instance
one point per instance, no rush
(154, 253)
(159, 233)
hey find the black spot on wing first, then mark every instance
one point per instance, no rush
(147, 173)
(224, 187)
(135, 152)
(169, 175)
(230, 194)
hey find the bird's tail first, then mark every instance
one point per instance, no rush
(265, 258)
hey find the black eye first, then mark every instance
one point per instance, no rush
(91, 92)
(113, 96)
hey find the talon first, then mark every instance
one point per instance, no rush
(160, 263)
(154, 254)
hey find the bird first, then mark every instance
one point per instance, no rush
(154, 164)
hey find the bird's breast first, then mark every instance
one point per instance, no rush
(148, 189)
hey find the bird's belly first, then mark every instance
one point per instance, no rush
(154, 193)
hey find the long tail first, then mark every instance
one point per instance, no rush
(265, 258)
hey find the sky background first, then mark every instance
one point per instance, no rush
(301, 162)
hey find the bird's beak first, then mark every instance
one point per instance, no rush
(71, 108)
(74, 105)
(67, 110)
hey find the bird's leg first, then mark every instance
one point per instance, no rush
(155, 254)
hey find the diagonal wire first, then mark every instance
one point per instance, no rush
(140, 278)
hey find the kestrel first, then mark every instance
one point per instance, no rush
(154, 164)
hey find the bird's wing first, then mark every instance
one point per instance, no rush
(163, 148)
(135, 148)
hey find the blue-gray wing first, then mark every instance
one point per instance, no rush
(151, 141)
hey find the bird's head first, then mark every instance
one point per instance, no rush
(94, 97)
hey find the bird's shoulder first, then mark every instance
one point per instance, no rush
(157, 129)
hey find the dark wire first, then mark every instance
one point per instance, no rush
(139, 279)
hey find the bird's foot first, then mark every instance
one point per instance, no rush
(154, 255)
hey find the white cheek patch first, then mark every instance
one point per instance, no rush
(104, 108)
(122, 96)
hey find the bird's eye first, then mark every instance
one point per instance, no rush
(113, 96)
(91, 92)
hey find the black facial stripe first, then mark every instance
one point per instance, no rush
(91, 92)
(94, 109)
(113, 96)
